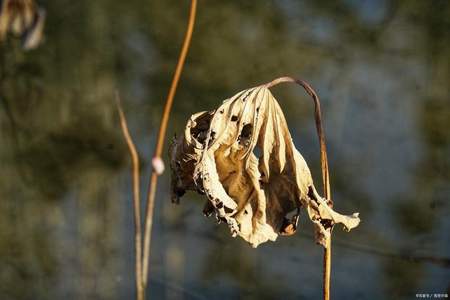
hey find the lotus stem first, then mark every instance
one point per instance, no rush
(157, 163)
(325, 173)
(140, 291)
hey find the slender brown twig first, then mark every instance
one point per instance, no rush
(140, 292)
(325, 173)
(157, 161)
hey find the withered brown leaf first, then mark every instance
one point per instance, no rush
(241, 156)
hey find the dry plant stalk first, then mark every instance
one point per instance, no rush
(157, 163)
(241, 156)
(325, 176)
(24, 19)
(142, 252)
(140, 292)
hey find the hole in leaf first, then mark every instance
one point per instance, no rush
(311, 193)
(258, 153)
(246, 131)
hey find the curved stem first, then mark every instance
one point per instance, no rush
(160, 143)
(319, 128)
(325, 172)
(140, 292)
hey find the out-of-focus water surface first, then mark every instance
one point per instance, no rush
(381, 68)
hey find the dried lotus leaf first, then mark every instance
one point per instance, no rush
(241, 156)
(24, 19)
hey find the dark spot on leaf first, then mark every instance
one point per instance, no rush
(311, 193)
(228, 210)
(326, 223)
(246, 131)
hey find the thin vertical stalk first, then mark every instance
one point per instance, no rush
(325, 173)
(157, 161)
(327, 269)
(140, 292)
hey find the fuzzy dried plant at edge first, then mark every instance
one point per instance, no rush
(24, 19)
(242, 158)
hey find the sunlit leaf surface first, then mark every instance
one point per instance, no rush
(241, 156)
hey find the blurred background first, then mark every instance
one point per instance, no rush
(381, 68)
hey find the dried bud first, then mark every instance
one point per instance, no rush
(158, 165)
